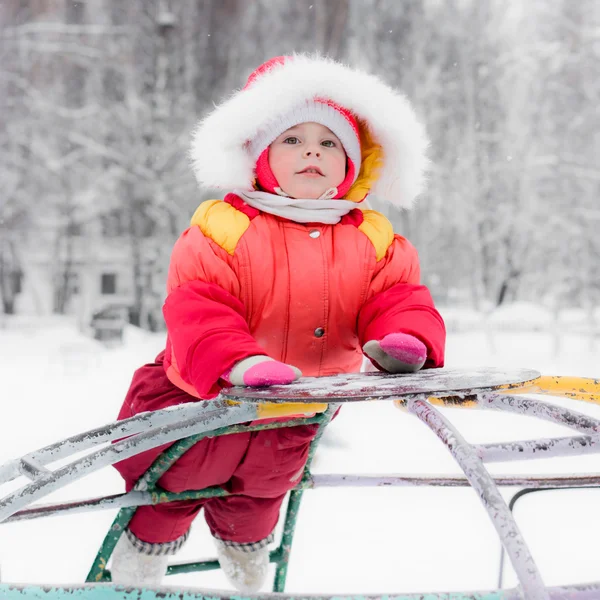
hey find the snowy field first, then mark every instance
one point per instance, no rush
(56, 383)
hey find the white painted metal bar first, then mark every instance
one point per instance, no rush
(208, 420)
(108, 433)
(80, 506)
(541, 448)
(521, 481)
(532, 407)
(482, 482)
(32, 469)
(140, 498)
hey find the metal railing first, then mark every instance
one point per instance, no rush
(417, 394)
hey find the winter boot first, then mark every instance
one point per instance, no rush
(244, 565)
(135, 562)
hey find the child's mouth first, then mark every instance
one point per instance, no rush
(311, 171)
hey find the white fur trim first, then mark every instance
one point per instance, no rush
(219, 146)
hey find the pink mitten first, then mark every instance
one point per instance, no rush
(397, 353)
(257, 371)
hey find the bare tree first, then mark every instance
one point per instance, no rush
(99, 100)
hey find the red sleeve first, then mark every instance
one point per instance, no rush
(208, 333)
(205, 317)
(396, 303)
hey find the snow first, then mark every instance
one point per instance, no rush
(57, 383)
(522, 314)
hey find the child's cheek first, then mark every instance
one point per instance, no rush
(339, 165)
(286, 164)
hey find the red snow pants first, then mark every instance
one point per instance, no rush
(258, 468)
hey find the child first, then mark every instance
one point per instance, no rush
(288, 275)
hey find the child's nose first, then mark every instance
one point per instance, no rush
(312, 152)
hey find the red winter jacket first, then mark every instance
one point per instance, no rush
(242, 282)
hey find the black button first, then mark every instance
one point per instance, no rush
(319, 332)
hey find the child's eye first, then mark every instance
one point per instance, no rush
(328, 143)
(291, 140)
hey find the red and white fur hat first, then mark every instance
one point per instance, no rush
(230, 145)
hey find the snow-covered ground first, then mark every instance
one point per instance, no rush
(56, 383)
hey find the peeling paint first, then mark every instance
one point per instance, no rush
(114, 592)
(479, 388)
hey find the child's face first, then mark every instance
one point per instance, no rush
(307, 160)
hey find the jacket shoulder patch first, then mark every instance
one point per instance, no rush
(379, 231)
(222, 223)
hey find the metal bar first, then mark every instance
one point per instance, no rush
(167, 458)
(193, 567)
(361, 387)
(533, 407)
(531, 481)
(207, 565)
(578, 388)
(31, 469)
(122, 429)
(98, 571)
(104, 591)
(131, 499)
(285, 548)
(107, 433)
(119, 451)
(145, 498)
(511, 506)
(384, 481)
(142, 498)
(147, 485)
(326, 418)
(147, 482)
(481, 481)
(281, 555)
(541, 448)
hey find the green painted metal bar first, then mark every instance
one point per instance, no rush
(208, 565)
(99, 572)
(280, 556)
(193, 567)
(282, 553)
(285, 548)
(169, 456)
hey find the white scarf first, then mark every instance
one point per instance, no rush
(300, 210)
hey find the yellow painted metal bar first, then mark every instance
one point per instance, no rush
(454, 401)
(451, 401)
(578, 388)
(268, 410)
